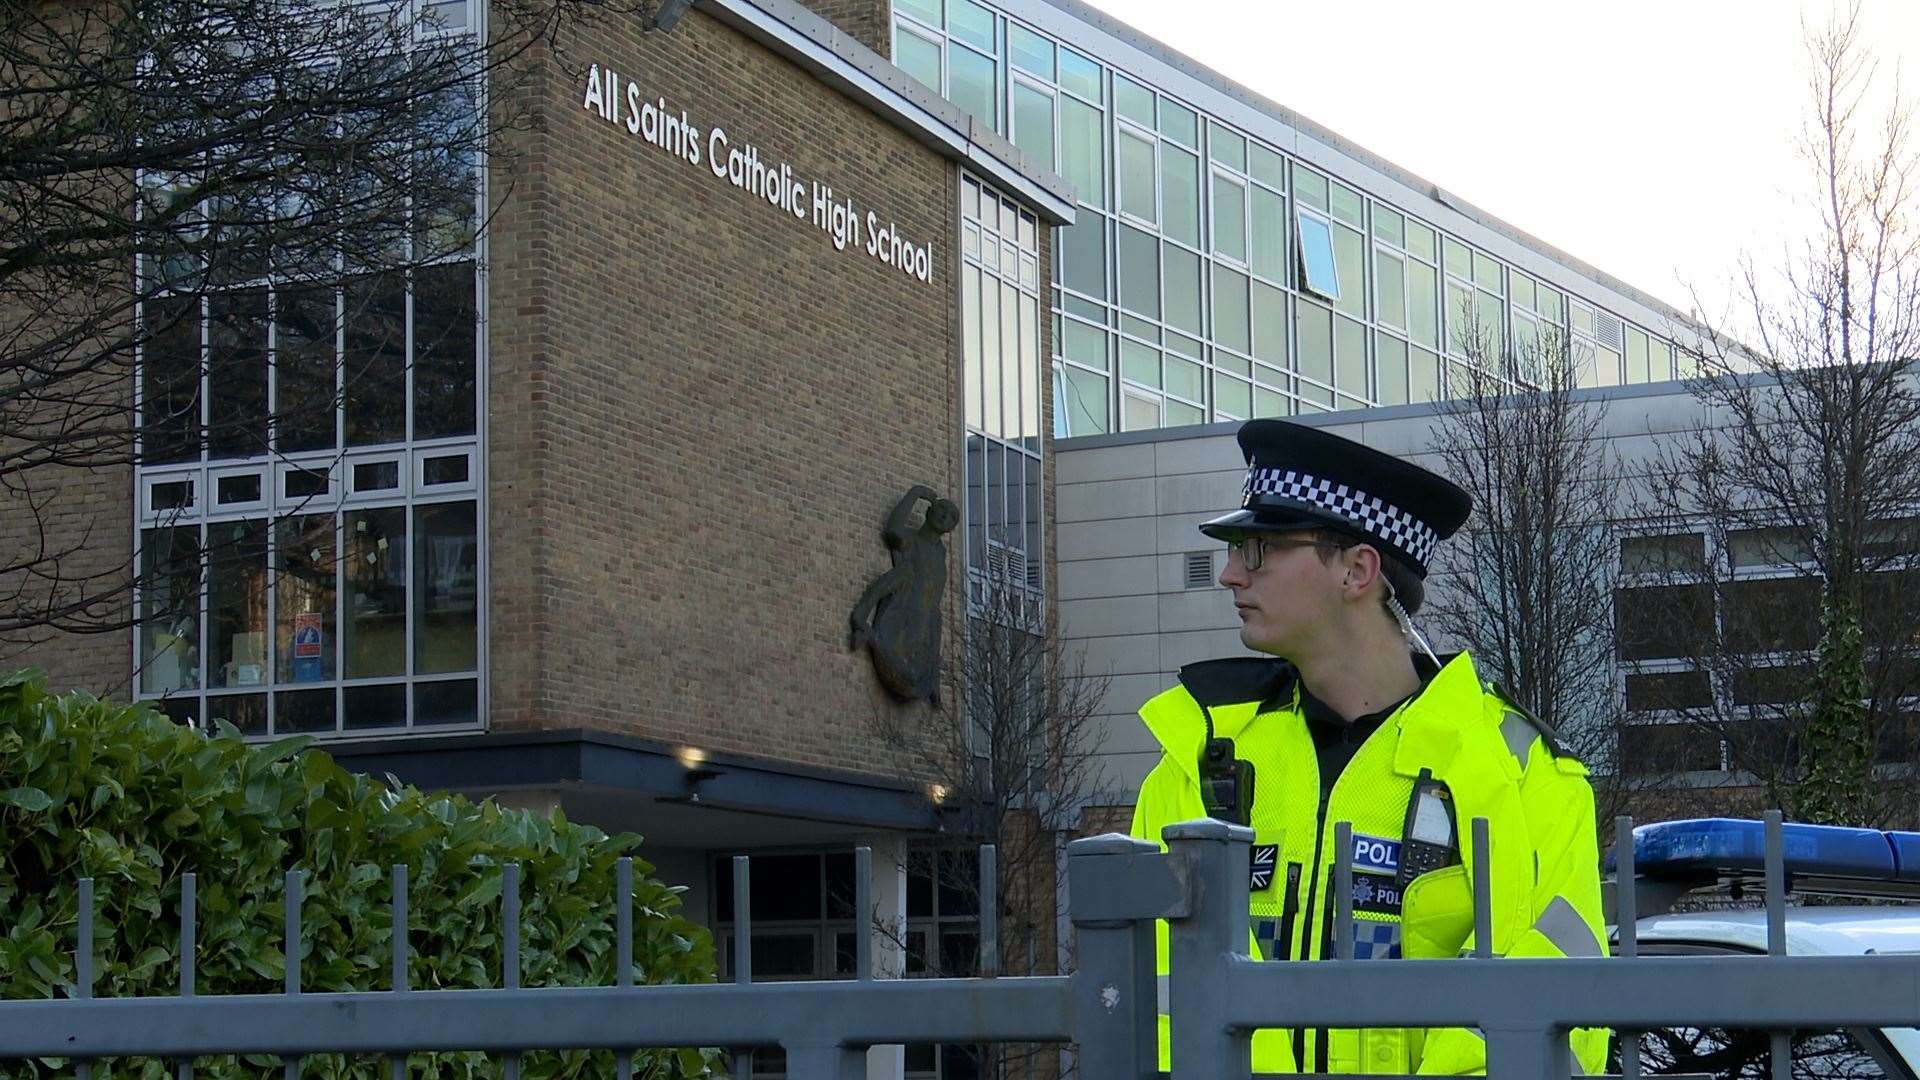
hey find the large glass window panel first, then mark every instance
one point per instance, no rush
(170, 382)
(446, 569)
(927, 11)
(1139, 272)
(1133, 101)
(1226, 361)
(1135, 170)
(454, 702)
(1139, 412)
(1350, 355)
(1084, 344)
(1179, 413)
(1140, 362)
(444, 348)
(237, 603)
(1267, 166)
(1420, 240)
(1388, 225)
(1270, 402)
(917, 55)
(1185, 379)
(1230, 327)
(1390, 289)
(1232, 398)
(1226, 146)
(1083, 255)
(1347, 205)
(1183, 288)
(1607, 366)
(1423, 376)
(1269, 324)
(375, 638)
(376, 360)
(1033, 123)
(1086, 403)
(1229, 218)
(1486, 271)
(1459, 260)
(970, 343)
(1269, 254)
(304, 588)
(1316, 342)
(305, 323)
(1639, 362)
(1080, 75)
(1390, 356)
(1318, 270)
(1490, 313)
(1462, 335)
(972, 84)
(971, 23)
(1178, 121)
(1423, 316)
(1309, 187)
(1009, 360)
(300, 712)
(237, 373)
(377, 706)
(1350, 261)
(170, 615)
(1029, 51)
(1180, 194)
(990, 419)
(1083, 150)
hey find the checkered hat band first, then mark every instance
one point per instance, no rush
(1370, 515)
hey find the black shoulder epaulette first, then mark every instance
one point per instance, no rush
(1544, 729)
(1238, 679)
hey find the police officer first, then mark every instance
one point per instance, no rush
(1327, 558)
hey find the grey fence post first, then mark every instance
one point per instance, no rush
(1216, 857)
(1116, 1001)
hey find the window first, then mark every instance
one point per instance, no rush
(1318, 272)
(1656, 621)
(309, 534)
(1001, 349)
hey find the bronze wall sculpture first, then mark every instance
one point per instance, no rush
(898, 617)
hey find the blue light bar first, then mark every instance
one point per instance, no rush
(1703, 848)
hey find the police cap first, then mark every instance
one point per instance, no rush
(1304, 478)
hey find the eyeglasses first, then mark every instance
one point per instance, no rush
(1253, 549)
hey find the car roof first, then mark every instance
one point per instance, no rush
(1818, 931)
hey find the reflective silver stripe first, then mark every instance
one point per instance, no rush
(1563, 926)
(1519, 733)
(1163, 994)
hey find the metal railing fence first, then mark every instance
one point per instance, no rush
(1118, 886)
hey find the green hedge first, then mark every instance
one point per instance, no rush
(123, 795)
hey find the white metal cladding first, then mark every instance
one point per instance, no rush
(1118, 886)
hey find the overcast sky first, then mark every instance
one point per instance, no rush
(1652, 138)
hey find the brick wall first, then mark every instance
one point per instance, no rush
(870, 22)
(81, 533)
(702, 411)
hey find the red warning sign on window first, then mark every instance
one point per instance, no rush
(308, 640)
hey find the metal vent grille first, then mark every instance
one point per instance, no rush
(1609, 330)
(1033, 573)
(1199, 569)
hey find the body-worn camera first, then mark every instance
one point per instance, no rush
(1226, 783)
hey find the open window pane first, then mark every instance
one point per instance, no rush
(1317, 268)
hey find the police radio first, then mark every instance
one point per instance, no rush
(1226, 782)
(1430, 839)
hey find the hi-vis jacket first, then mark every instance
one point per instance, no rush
(1484, 756)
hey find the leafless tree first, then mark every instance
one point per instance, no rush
(1528, 580)
(164, 158)
(1014, 765)
(1808, 459)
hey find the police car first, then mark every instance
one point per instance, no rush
(1675, 858)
